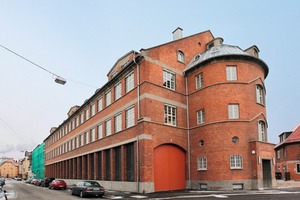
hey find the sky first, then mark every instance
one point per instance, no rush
(80, 40)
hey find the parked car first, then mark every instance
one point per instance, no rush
(88, 188)
(58, 184)
(2, 194)
(47, 181)
(28, 180)
(2, 181)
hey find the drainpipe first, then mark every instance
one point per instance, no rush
(188, 128)
(137, 137)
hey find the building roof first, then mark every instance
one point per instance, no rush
(292, 138)
(220, 50)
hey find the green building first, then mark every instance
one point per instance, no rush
(38, 162)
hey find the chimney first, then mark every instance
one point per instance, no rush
(177, 34)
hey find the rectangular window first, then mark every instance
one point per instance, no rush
(86, 114)
(118, 164)
(170, 115)
(100, 107)
(236, 162)
(108, 127)
(87, 137)
(261, 131)
(233, 111)
(231, 74)
(201, 116)
(93, 110)
(169, 79)
(201, 163)
(259, 94)
(118, 123)
(130, 117)
(118, 91)
(73, 144)
(298, 167)
(107, 165)
(199, 81)
(77, 121)
(129, 82)
(278, 154)
(93, 135)
(81, 139)
(81, 118)
(77, 142)
(107, 98)
(100, 132)
(130, 162)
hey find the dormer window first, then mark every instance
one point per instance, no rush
(180, 56)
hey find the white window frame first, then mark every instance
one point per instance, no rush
(201, 163)
(118, 122)
(130, 118)
(86, 114)
(93, 134)
(231, 73)
(233, 111)
(108, 131)
(100, 104)
(118, 90)
(81, 140)
(260, 94)
(93, 109)
(278, 154)
(107, 98)
(201, 116)
(129, 82)
(100, 131)
(199, 80)
(180, 56)
(87, 137)
(262, 131)
(236, 162)
(169, 79)
(170, 115)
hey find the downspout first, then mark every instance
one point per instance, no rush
(188, 134)
(137, 137)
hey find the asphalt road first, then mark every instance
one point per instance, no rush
(19, 190)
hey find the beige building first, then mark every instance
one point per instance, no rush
(25, 166)
(9, 169)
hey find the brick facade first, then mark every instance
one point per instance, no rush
(165, 101)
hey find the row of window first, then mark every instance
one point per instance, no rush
(236, 162)
(95, 133)
(103, 101)
(297, 167)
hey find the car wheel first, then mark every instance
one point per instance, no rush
(81, 194)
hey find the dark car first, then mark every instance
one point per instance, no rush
(2, 194)
(2, 182)
(47, 182)
(58, 184)
(88, 188)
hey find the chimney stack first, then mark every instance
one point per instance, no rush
(177, 34)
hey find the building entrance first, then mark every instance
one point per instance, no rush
(267, 173)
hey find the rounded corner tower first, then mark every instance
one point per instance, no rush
(228, 139)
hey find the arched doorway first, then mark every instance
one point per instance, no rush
(169, 168)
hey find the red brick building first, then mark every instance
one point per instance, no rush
(189, 113)
(288, 155)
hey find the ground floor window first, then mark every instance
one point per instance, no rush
(298, 167)
(236, 162)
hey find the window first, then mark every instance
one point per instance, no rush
(201, 163)
(180, 56)
(86, 113)
(169, 79)
(93, 110)
(170, 115)
(73, 144)
(262, 131)
(100, 131)
(129, 82)
(284, 151)
(108, 127)
(81, 139)
(107, 98)
(130, 117)
(100, 104)
(298, 167)
(93, 135)
(278, 154)
(231, 74)
(118, 88)
(81, 118)
(87, 137)
(118, 123)
(199, 81)
(236, 162)
(201, 116)
(77, 121)
(233, 111)
(77, 142)
(260, 94)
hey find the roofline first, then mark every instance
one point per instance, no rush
(263, 65)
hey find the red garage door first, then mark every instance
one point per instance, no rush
(169, 168)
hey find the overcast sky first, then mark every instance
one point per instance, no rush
(81, 41)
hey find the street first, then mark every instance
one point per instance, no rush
(22, 191)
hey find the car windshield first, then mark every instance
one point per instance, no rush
(92, 184)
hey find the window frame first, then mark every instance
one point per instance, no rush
(180, 56)
(129, 82)
(201, 116)
(262, 135)
(233, 111)
(118, 90)
(201, 163)
(130, 117)
(236, 161)
(260, 97)
(169, 79)
(108, 127)
(199, 81)
(231, 73)
(170, 118)
(118, 122)
(108, 98)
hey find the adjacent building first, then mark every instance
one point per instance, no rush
(186, 114)
(9, 169)
(38, 162)
(25, 166)
(288, 155)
